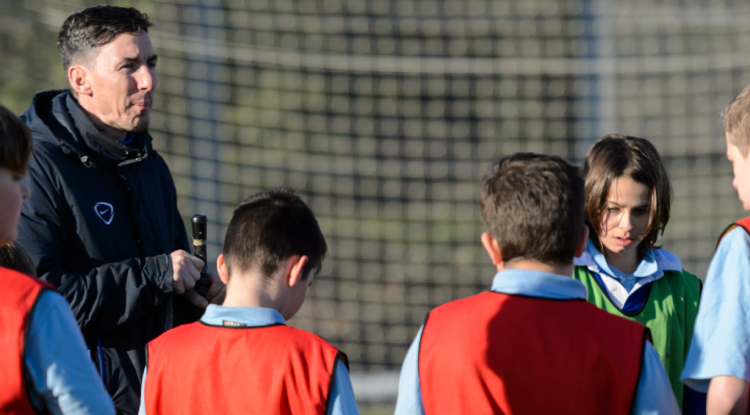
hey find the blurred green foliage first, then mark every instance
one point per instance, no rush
(28, 49)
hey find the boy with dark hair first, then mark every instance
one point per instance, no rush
(719, 358)
(532, 344)
(44, 367)
(242, 357)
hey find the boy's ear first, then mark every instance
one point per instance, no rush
(221, 267)
(78, 77)
(493, 250)
(582, 243)
(294, 267)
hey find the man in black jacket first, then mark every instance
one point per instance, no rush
(102, 223)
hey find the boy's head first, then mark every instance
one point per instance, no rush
(613, 165)
(532, 205)
(270, 234)
(14, 256)
(15, 148)
(737, 132)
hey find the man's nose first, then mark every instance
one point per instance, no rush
(146, 78)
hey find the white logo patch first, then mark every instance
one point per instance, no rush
(105, 211)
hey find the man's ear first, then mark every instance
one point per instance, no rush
(294, 269)
(582, 243)
(80, 80)
(493, 250)
(221, 267)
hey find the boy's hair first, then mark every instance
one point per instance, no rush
(533, 206)
(737, 121)
(615, 156)
(14, 256)
(15, 142)
(94, 27)
(268, 228)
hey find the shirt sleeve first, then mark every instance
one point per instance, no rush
(142, 409)
(654, 395)
(342, 396)
(61, 372)
(409, 400)
(721, 338)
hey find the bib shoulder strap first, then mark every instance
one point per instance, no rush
(744, 224)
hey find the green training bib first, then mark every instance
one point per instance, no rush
(669, 312)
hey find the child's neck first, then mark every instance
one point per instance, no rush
(246, 290)
(534, 265)
(626, 262)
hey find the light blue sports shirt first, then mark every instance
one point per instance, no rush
(341, 401)
(721, 338)
(63, 377)
(654, 394)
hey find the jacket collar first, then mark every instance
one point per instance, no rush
(56, 118)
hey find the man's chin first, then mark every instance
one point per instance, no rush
(140, 125)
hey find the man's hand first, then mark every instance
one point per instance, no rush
(217, 290)
(186, 272)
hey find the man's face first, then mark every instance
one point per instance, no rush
(741, 167)
(123, 78)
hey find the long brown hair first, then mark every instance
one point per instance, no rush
(615, 156)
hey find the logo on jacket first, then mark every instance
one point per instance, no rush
(105, 211)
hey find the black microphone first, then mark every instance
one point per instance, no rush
(200, 223)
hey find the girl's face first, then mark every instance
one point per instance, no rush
(13, 191)
(626, 217)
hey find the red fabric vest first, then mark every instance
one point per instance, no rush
(495, 353)
(201, 369)
(18, 296)
(744, 223)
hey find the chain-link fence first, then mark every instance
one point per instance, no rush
(385, 114)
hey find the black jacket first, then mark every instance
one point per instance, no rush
(100, 224)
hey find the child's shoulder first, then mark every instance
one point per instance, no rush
(734, 240)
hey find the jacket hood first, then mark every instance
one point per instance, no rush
(51, 121)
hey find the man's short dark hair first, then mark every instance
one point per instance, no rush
(533, 205)
(268, 228)
(14, 256)
(15, 142)
(94, 27)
